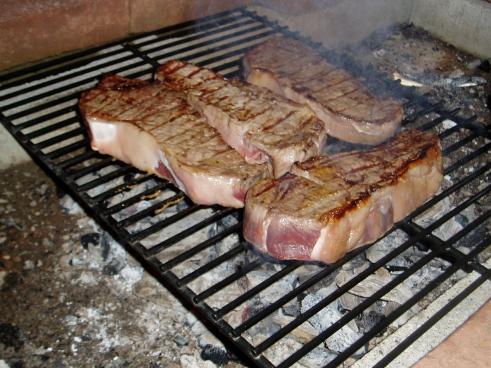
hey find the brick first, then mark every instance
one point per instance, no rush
(36, 29)
(148, 15)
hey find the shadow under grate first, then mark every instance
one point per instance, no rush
(271, 314)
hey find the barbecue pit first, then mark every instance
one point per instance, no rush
(270, 314)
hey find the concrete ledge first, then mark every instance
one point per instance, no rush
(11, 152)
(465, 24)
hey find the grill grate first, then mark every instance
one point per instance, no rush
(197, 252)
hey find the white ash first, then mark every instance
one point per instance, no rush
(97, 324)
(282, 349)
(383, 247)
(318, 357)
(344, 337)
(169, 231)
(70, 206)
(108, 257)
(448, 124)
(276, 290)
(3, 275)
(127, 276)
(456, 223)
(132, 191)
(194, 361)
(93, 175)
(371, 284)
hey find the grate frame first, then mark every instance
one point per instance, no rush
(33, 97)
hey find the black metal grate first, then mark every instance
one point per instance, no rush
(197, 252)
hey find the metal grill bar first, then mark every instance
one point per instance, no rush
(67, 149)
(257, 289)
(228, 280)
(112, 175)
(75, 174)
(286, 298)
(78, 159)
(122, 187)
(46, 117)
(208, 266)
(200, 247)
(426, 326)
(137, 198)
(35, 101)
(174, 239)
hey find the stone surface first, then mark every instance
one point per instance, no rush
(68, 296)
(466, 347)
(463, 23)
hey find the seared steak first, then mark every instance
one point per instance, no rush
(260, 125)
(152, 127)
(331, 205)
(349, 111)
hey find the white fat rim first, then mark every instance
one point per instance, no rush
(319, 245)
(178, 182)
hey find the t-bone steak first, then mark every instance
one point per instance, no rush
(348, 109)
(328, 206)
(259, 124)
(152, 127)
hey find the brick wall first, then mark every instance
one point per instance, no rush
(35, 29)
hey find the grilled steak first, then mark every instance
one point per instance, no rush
(260, 125)
(153, 128)
(349, 111)
(331, 205)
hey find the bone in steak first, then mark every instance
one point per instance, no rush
(349, 111)
(260, 125)
(152, 127)
(331, 205)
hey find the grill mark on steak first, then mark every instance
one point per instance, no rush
(278, 121)
(349, 199)
(152, 127)
(260, 125)
(348, 109)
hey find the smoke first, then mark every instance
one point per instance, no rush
(336, 23)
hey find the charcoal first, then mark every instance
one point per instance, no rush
(485, 66)
(462, 219)
(114, 267)
(292, 309)
(181, 340)
(105, 245)
(16, 363)
(90, 238)
(217, 355)
(366, 321)
(130, 176)
(222, 224)
(10, 336)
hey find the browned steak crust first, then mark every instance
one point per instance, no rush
(347, 108)
(331, 205)
(152, 127)
(259, 124)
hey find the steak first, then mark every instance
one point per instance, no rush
(347, 108)
(152, 127)
(328, 206)
(260, 125)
